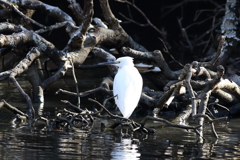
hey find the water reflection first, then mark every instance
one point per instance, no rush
(25, 143)
(126, 149)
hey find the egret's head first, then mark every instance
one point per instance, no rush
(124, 61)
(120, 62)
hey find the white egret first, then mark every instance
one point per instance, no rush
(127, 85)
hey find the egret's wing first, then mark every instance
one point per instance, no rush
(128, 87)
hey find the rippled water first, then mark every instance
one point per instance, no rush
(22, 142)
(167, 143)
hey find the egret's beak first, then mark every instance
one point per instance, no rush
(106, 63)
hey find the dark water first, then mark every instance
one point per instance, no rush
(22, 142)
(167, 143)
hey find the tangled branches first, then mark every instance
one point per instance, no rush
(192, 86)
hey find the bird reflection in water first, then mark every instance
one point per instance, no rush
(126, 149)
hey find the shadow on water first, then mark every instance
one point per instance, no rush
(21, 142)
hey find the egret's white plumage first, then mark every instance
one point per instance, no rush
(127, 86)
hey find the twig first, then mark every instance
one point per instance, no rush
(219, 106)
(168, 123)
(26, 96)
(208, 31)
(84, 94)
(184, 33)
(190, 90)
(40, 118)
(112, 115)
(76, 83)
(21, 14)
(65, 120)
(57, 26)
(133, 21)
(87, 113)
(12, 108)
(166, 50)
(211, 121)
(71, 105)
(214, 131)
(217, 55)
(142, 13)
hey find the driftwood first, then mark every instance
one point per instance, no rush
(196, 82)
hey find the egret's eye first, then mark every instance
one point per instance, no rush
(118, 62)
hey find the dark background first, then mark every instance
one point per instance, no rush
(164, 15)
